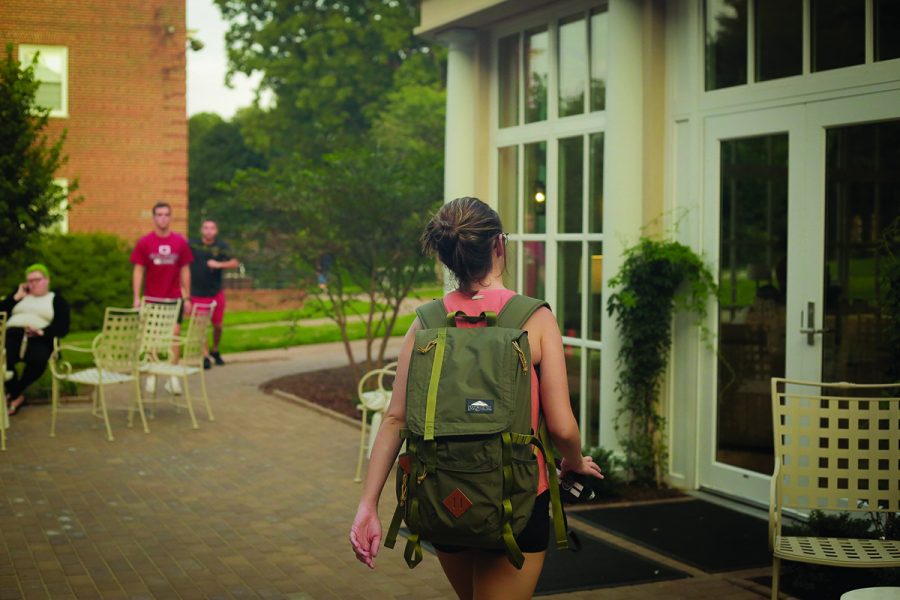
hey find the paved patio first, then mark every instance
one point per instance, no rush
(254, 505)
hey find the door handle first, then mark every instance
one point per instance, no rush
(810, 329)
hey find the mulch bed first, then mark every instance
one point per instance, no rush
(331, 388)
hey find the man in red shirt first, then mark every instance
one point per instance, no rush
(162, 261)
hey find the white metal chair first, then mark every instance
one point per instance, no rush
(115, 352)
(191, 362)
(376, 401)
(837, 448)
(158, 320)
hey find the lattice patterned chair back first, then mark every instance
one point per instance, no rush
(194, 339)
(159, 318)
(116, 348)
(837, 448)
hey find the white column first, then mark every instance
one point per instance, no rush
(623, 191)
(460, 139)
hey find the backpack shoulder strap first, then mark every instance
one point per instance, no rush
(432, 314)
(517, 310)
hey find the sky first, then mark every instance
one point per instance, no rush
(206, 90)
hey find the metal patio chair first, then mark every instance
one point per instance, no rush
(190, 363)
(837, 448)
(158, 320)
(115, 353)
(375, 401)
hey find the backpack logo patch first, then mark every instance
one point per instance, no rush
(474, 405)
(457, 503)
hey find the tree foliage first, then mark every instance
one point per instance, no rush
(329, 64)
(29, 199)
(216, 151)
(651, 286)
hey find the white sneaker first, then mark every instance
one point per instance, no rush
(150, 384)
(173, 386)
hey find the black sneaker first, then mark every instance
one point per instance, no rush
(217, 357)
(206, 363)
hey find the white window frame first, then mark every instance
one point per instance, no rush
(551, 130)
(27, 52)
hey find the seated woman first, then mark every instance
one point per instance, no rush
(35, 317)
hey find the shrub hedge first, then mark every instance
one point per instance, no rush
(90, 270)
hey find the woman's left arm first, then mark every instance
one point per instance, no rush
(59, 326)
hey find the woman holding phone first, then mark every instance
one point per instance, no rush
(35, 317)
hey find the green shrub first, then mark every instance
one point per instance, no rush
(90, 270)
(612, 483)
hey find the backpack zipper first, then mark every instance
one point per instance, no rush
(427, 347)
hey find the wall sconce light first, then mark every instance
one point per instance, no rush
(539, 195)
(170, 30)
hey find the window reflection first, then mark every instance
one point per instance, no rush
(779, 38)
(887, 29)
(508, 80)
(595, 184)
(569, 288)
(571, 176)
(508, 187)
(535, 212)
(537, 47)
(572, 65)
(726, 43)
(533, 267)
(838, 33)
(598, 59)
(595, 290)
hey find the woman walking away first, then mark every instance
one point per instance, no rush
(468, 237)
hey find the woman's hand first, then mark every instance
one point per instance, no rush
(21, 292)
(586, 466)
(365, 535)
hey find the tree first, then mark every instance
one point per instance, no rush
(363, 207)
(29, 200)
(329, 64)
(216, 151)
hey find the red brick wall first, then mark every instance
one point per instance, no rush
(127, 124)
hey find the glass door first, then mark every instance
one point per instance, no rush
(755, 220)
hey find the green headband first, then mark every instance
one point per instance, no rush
(38, 267)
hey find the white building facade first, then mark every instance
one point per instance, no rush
(764, 134)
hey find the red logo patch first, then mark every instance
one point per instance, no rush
(457, 503)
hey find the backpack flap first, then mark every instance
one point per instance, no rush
(465, 381)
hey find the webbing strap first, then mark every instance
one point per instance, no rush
(488, 316)
(512, 547)
(413, 552)
(391, 538)
(431, 402)
(559, 524)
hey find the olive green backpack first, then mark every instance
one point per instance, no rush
(469, 474)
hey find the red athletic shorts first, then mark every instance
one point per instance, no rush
(218, 311)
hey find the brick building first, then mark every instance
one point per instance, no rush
(113, 72)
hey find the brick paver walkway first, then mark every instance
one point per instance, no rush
(254, 505)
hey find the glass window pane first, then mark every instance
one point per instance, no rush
(753, 283)
(595, 183)
(535, 188)
(591, 427)
(726, 43)
(571, 176)
(838, 33)
(569, 288)
(595, 289)
(598, 60)
(508, 187)
(533, 267)
(887, 29)
(537, 60)
(510, 275)
(572, 67)
(573, 371)
(779, 38)
(49, 95)
(862, 216)
(508, 75)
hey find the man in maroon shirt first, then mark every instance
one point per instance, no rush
(162, 261)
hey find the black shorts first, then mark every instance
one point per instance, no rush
(533, 537)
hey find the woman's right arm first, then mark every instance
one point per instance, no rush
(365, 534)
(555, 404)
